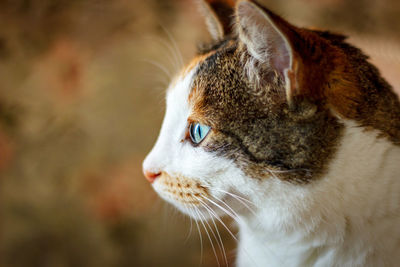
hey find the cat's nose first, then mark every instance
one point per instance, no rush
(151, 176)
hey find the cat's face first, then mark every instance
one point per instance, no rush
(189, 175)
(240, 121)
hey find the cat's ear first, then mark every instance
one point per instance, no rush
(218, 15)
(266, 38)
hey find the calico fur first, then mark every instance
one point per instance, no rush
(300, 139)
(310, 139)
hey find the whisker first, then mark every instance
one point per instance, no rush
(208, 235)
(191, 223)
(222, 223)
(220, 238)
(239, 200)
(201, 238)
(161, 67)
(160, 80)
(174, 44)
(236, 196)
(217, 217)
(259, 223)
(232, 194)
(220, 243)
(233, 216)
(233, 212)
(174, 60)
(228, 230)
(234, 237)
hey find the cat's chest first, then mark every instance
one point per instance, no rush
(256, 249)
(302, 249)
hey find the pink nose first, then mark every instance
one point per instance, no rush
(151, 176)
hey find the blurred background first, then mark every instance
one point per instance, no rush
(81, 102)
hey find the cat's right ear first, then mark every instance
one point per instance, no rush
(218, 15)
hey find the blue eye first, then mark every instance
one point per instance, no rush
(198, 132)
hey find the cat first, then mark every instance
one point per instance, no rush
(292, 132)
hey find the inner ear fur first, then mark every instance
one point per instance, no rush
(218, 15)
(266, 38)
(303, 58)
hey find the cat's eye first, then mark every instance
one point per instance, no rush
(198, 132)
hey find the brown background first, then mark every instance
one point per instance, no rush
(81, 103)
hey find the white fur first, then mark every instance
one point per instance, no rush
(349, 217)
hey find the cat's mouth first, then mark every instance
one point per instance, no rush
(197, 200)
(181, 190)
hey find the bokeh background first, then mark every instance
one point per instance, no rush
(81, 102)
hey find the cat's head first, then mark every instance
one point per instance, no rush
(257, 111)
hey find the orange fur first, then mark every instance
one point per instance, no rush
(183, 189)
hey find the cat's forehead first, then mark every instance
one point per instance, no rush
(222, 90)
(218, 85)
(209, 73)
(209, 56)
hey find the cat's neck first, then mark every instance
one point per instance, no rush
(355, 205)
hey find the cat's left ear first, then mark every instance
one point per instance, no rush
(266, 37)
(218, 15)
